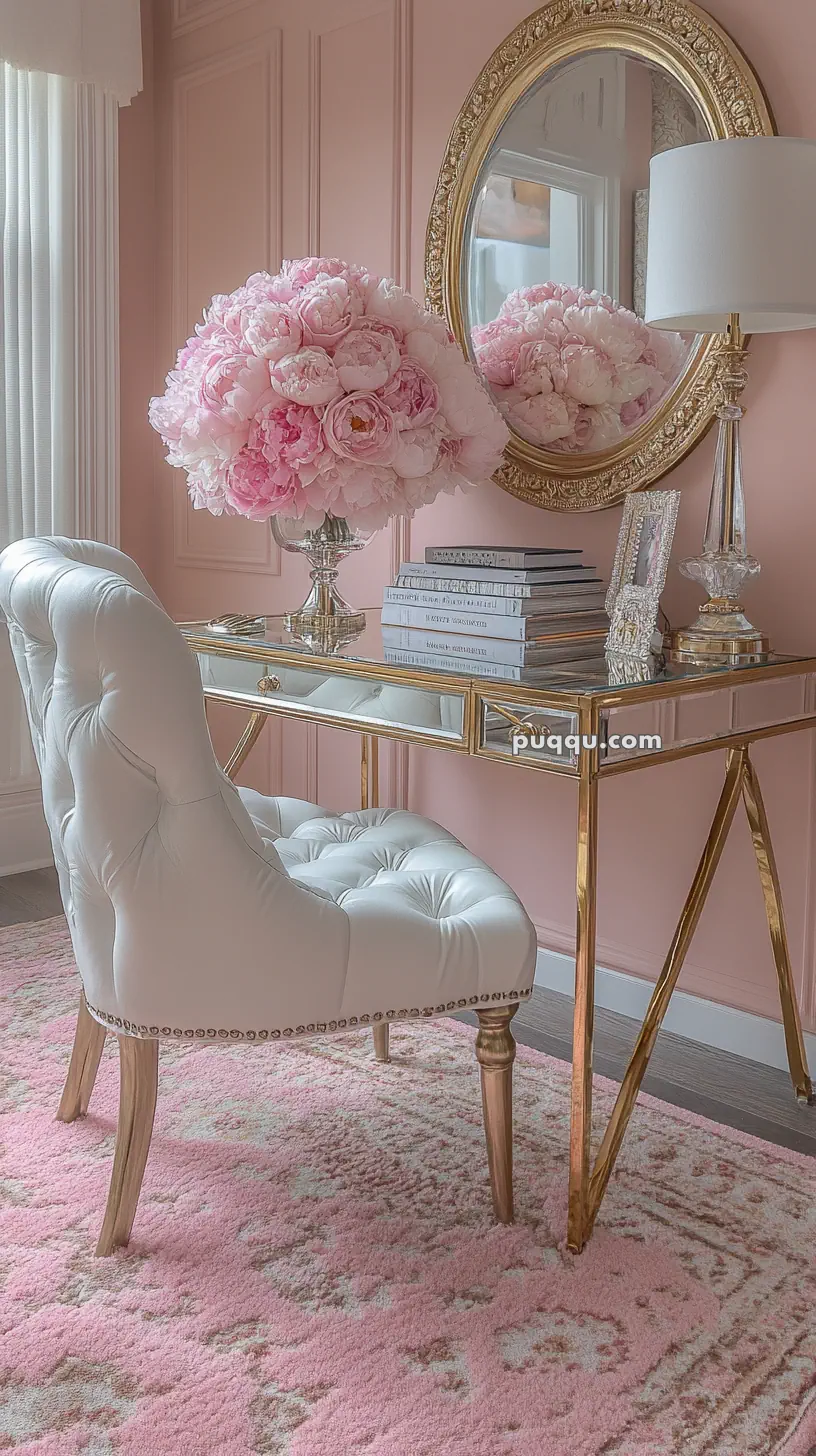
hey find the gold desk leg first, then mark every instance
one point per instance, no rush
(583, 1024)
(252, 732)
(138, 1084)
(687, 924)
(245, 744)
(495, 1053)
(769, 876)
(369, 771)
(89, 1039)
(369, 799)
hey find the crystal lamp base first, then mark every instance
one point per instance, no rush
(723, 638)
(722, 635)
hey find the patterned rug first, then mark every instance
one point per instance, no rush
(314, 1271)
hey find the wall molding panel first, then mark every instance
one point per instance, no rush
(251, 549)
(190, 15)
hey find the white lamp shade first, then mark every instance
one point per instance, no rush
(732, 229)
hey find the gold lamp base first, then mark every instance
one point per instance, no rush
(719, 638)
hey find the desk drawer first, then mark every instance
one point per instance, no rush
(340, 699)
(528, 735)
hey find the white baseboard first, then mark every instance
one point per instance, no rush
(24, 839)
(741, 1032)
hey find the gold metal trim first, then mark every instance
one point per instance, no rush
(772, 893)
(121, 1025)
(587, 1188)
(686, 42)
(743, 739)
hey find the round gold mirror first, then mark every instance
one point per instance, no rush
(536, 244)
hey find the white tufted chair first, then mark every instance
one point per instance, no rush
(202, 912)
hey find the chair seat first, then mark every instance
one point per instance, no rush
(432, 928)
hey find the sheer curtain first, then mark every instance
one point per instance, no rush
(59, 375)
(58, 307)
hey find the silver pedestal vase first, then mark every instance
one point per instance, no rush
(325, 620)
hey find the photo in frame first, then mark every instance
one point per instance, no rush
(639, 573)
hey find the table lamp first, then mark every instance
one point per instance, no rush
(732, 251)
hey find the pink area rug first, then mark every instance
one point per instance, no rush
(314, 1271)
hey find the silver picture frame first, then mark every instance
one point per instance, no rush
(639, 573)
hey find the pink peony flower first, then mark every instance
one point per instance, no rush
(327, 309)
(299, 272)
(271, 330)
(416, 451)
(288, 433)
(308, 377)
(237, 384)
(325, 389)
(366, 359)
(361, 428)
(256, 490)
(411, 395)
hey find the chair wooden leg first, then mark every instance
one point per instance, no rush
(381, 1041)
(89, 1039)
(495, 1053)
(138, 1085)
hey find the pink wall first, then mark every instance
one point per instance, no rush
(276, 130)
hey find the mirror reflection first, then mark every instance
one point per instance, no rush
(555, 253)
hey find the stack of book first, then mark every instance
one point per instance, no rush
(503, 612)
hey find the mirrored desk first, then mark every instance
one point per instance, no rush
(587, 720)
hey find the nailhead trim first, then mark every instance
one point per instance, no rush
(211, 1034)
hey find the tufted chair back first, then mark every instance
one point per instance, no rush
(167, 884)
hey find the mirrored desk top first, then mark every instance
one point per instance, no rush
(584, 677)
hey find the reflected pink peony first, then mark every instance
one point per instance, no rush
(361, 428)
(607, 367)
(308, 377)
(533, 367)
(544, 418)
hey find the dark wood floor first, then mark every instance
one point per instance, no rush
(716, 1084)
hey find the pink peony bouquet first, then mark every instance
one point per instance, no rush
(572, 370)
(325, 390)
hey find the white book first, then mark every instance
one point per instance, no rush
(477, 624)
(497, 671)
(460, 601)
(512, 556)
(478, 649)
(518, 575)
(593, 586)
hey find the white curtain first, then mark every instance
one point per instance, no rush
(89, 40)
(58, 307)
(59, 373)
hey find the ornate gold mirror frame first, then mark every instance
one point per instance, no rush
(682, 40)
